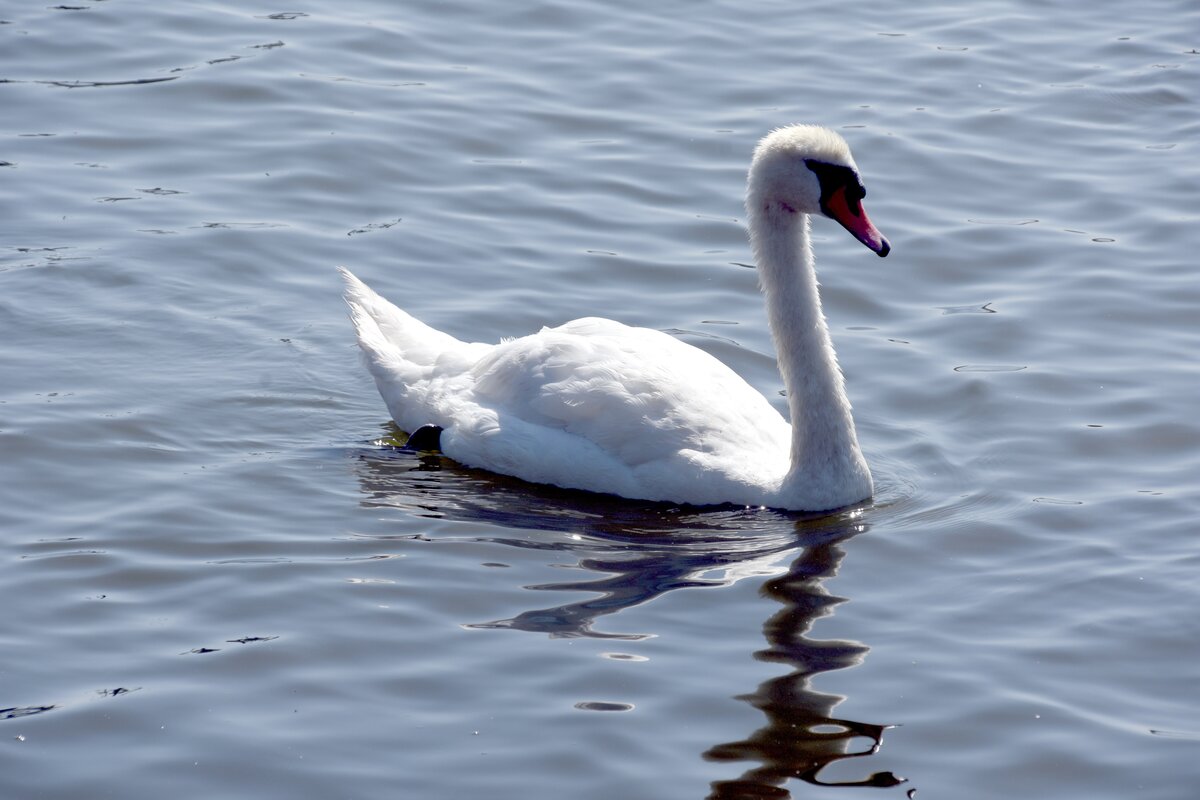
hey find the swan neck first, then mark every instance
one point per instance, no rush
(824, 440)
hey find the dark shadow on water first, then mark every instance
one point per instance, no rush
(802, 735)
(644, 550)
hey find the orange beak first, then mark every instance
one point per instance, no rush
(852, 217)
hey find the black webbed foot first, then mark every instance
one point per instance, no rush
(424, 439)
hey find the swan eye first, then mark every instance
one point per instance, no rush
(836, 176)
(833, 177)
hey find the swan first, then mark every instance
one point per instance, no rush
(601, 406)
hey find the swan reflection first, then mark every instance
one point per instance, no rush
(802, 736)
(632, 553)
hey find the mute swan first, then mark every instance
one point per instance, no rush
(597, 405)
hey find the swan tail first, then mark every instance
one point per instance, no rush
(400, 352)
(394, 375)
(389, 335)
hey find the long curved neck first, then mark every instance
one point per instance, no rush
(823, 436)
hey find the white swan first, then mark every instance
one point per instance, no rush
(597, 405)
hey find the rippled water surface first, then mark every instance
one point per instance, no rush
(222, 581)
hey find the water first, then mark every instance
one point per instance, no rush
(221, 584)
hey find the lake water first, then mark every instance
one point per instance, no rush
(222, 582)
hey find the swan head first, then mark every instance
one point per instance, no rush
(807, 169)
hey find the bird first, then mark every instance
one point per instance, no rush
(600, 406)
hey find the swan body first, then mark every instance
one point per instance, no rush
(602, 406)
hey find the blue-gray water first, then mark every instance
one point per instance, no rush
(218, 584)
